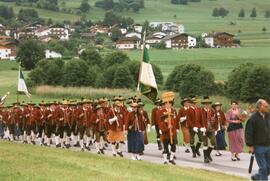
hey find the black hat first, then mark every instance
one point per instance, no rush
(185, 99)
(206, 100)
(234, 101)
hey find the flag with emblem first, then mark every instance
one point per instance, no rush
(147, 82)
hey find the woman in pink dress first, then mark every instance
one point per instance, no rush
(235, 118)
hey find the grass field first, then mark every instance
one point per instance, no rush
(220, 61)
(28, 162)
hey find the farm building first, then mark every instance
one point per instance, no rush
(49, 54)
(128, 43)
(220, 39)
(180, 41)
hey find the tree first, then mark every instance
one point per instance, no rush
(223, 12)
(264, 29)
(106, 79)
(175, 1)
(91, 57)
(92, 74)
(115, 58)
(191, 79)
(85, 7)
(256, 85)
(28, 15)
(253, 13)
(48, 72)
(115, 34)
(111, 19)
(135, 7)
(215, 12)
(267, 14)
(6, 12)
(75, 73)
(122, 78)
(29, 53)
(50, 22)
(236, 80)
(183, 2)
(241, 13)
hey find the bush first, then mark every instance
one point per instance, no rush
(122, 78)
(236, 80)
(29, 53)
(92, 74)
(91, 57)
(249, 82)
(191, 79)
(75, 73)
(116, 57)
(48, 72)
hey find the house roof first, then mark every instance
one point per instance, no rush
(174, 35)
(87, 34)
(127, 39)
(220, 33)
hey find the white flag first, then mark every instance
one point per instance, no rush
(21, 84)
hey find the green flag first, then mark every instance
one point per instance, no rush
(147, 83)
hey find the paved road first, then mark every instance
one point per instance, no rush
(221, 164)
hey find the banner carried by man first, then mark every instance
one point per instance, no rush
(21, 84)
(147, 83)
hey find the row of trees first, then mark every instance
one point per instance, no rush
(24, 15)
(121, 5)
(43, 4)
(224, 12)
(115, 70)
(220, 12)
(242, 13)
(247, 83)
(183, 2)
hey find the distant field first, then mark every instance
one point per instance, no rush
(197, 17)
(220, 61)
(28, 162)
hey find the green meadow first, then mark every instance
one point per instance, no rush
(220, 61)
(28, 162)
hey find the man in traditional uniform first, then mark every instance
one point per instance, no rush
(99, 120)
(68, 113)
(87, 109)
(58, 116)
(182, 118)
(169, 127)
(116, 121)
(3, 118)
(208, 129)
(48, 123)
(15, 115)
(41, 124)
(154, 121)
(146, 121)
(26, 123)
(81, 121)
(34, 119)
(194, 118)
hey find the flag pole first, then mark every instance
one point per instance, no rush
(143, 46)
(18, 81)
